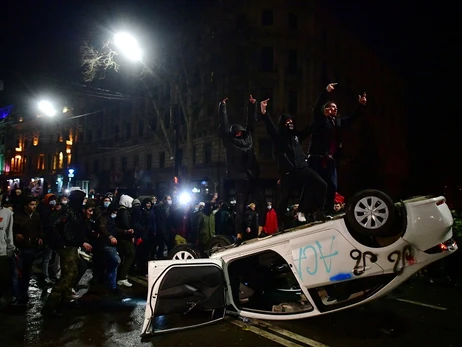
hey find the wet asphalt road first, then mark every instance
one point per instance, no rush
(105, 321)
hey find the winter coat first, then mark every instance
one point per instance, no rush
(288, 142)
(241, 162)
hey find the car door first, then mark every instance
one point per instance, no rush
(184, 294)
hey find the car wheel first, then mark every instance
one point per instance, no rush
(371, 213)
(216, 242)
(184, 251)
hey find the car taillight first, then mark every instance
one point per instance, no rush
(449, 245)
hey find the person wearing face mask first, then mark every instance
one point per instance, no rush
(48, 215)
(325, 141)
(164, 227)
(242, 166)
(126, 239)
(106, 260)
(293, 168)
(271, 225)
(64, 201)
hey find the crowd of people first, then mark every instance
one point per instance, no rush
(123, 233)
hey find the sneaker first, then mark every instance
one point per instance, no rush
(124, 283)
(262, 235)
(301, 217)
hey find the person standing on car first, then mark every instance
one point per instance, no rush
(293, 168)
(325, 140)
(241, 164)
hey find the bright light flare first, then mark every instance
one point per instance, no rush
(184, 198)
(47, 108)
(128, 46)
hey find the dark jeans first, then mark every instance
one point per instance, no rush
(5, 277)
(126, 251)
(326, 168)
(245, 189)
(313, 192)
(22, 270)
(112, 263)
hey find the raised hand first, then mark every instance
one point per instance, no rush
(362, 99)
(330, 87)
(252, 100)
(263, 106)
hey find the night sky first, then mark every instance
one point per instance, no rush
(413, 37)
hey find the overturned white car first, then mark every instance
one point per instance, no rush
(306, 271)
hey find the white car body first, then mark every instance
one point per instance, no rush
(317, 256)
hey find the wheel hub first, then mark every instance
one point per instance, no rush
(371, 212)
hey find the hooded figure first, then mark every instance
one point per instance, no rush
(293, 168)
(241, 163)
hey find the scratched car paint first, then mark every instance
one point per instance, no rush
(306, 271)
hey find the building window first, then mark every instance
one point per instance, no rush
(128, 133)
(136, 161)
(148, 161)
(41, 162)
(207, 153)
(153, 123)
(96, 166)
(293, 22)
(267, 59)
(60, 160)
(179, 158)
(99, 134)
(89, 135)
(161, 160)
(112, 164)
(292, 66)
(293, 102)
(124, 164)
(116, 132)
(266, 151)
(140, 127)
(167, 119)
(267, 17)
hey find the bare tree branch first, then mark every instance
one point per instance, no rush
(96, 63)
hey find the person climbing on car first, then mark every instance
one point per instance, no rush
(242, 166)
(293, 168)
(325, 140)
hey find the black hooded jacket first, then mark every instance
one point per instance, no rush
(71, 229)
(241, 162)
(288, 142)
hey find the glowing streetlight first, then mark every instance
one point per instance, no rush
(128, 46)
(47, 108)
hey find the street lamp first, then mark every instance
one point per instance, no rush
(70, 175)
(47, 108)
(128, 45)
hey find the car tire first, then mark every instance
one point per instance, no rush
(371, 212)
(218, 241)
(184, 252)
